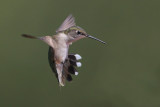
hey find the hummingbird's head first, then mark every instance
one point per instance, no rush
(74, 32)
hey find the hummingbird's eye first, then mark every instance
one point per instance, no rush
(78, 32)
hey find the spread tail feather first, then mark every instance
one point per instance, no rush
(69, 66)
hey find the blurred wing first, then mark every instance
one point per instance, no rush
(68, 22)
(56, 68)
(52, 61)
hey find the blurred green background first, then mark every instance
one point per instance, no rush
(124, 73)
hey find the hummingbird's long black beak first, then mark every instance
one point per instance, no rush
(89, 36)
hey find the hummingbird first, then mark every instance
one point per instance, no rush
(62, 63)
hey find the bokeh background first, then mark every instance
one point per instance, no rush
(124, 73)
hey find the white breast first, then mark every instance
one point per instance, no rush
(62, 36)
(62, 48)
(62, 54)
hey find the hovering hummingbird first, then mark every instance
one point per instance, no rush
(62, 63)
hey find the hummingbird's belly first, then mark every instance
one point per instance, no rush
(61, 54)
